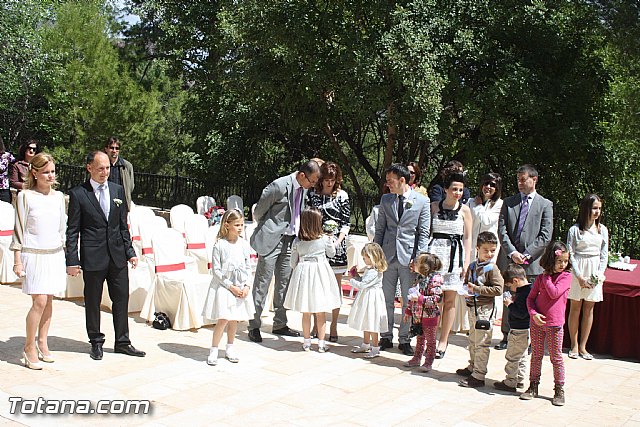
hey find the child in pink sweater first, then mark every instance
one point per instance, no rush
(547, 302)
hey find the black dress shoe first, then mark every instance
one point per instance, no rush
(471, 382)
(254, 335)
(502, 345)
(129, 350)
(96, 351)
(500, 385)
(286, 332)
(406, 349)
(464, 372)
(385, 343)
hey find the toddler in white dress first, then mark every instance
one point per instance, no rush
(313, 288)
(368, 312)
(227, 302)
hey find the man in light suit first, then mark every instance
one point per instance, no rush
(277, 215)
(525, 228)
(402, 229)
(98, 218)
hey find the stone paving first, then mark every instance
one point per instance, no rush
(276, 383)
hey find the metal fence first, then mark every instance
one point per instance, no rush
(165, 191)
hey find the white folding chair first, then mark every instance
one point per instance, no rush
(235, 202)
(177, 216)
(195, 229)
(176, 291)
(7, 223)
(355, 243)
(203, 203)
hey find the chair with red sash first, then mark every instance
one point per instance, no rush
(7, 222)
(138, 215)
(177, 216)
(195, 228)
(176, 291)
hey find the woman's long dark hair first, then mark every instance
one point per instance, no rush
(584, 214)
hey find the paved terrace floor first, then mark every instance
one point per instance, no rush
(276, 383)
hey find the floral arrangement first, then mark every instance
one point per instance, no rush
(117, 202)
(330, 227)
(595, 280)
(214, 214)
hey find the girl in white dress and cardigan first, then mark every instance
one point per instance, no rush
(227, 302)
(368, 312)
(38, 256)
(313, 288)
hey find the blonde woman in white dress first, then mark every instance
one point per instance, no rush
(227, 302)
(313, 288)
(588, 243)
(38, 241)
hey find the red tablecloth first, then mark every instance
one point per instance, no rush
(616, 320)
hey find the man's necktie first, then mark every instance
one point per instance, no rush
(102, 199)
(295, 220)
(524, 210)
(400, 206)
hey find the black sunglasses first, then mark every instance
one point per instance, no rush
(491, 184)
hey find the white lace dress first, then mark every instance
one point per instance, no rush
(368, 312)
(41, 224)
(230, 266)
(313, 287)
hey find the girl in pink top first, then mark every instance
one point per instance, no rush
(547, 302)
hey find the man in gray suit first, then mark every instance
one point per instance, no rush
(525, 228)
(278, 220)
(402, 229)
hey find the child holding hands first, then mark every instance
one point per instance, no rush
(368, 312)
(227, 301)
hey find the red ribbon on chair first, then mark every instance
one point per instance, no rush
(146, 251)
(134, 238)
(196, 246)
(170, 267)
(6, 233)
(209, 265)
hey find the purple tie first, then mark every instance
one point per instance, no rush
(524, 210)
(295, 220)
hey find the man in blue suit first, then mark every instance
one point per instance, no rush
(402, 229)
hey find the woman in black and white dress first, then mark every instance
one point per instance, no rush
(333, 203)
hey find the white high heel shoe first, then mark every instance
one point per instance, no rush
(48, 358)
(29, 364)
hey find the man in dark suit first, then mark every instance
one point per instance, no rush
(97, 217)
(278, 216)
(525, 228)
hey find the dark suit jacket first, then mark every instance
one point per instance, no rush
(536, 233)
(101, 240)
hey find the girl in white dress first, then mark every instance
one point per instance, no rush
(313, 288)
(368, 312)
(588, 243)
(38, 255)
(227, 302)
(451, 225)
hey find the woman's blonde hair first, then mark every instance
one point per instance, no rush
(310, 224)
(427, 263)
(376, 255)
(229, 216)
(38, 162)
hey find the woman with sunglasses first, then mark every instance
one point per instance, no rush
(415, 174)
(20, 169)
(485, 208)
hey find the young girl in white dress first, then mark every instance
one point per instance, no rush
(227, 302)
(588, 243)
(38, 256)
(368, 312)
(313, 288)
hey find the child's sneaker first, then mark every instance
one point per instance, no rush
(306, 347)
(323, 348)
(424, 368)
(212, 360)
(230, 354)
(413, 362)
(375, 352)
(362, 348)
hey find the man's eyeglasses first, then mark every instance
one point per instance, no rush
(115, 147)
(491, 184)
(313, 183)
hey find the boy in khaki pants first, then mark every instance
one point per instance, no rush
(484, 283)
(515, 279)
